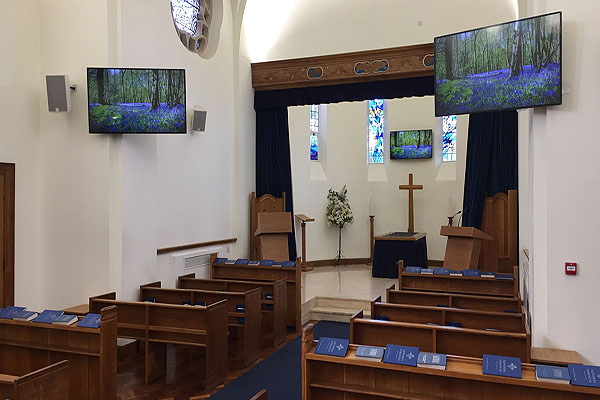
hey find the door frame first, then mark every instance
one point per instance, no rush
(7, 266)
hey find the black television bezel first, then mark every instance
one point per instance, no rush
(409, 130)
(137, 133)
(435, 88)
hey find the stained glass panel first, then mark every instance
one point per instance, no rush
(314, 118)
(449, 138)
(376, 131)
(314, 146)
(185, 14)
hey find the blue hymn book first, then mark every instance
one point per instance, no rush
(288, 264)
(402, 355)
(471, 272)
(267, 263)
(219, 261)
(370, 352)
(242, 261)
(47, 316)
(413, 270)
(332, 347)
(546, 373)
(441, 271)
(10, 311)
(90, 321)
(432, 360)
(584, 375)
(502, 366)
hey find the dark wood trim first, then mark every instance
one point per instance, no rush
(336, 69)
(435, 263)
(166, 250)
(343, 261)
(7, 291)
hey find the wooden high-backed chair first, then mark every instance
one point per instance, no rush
(265, 203)
(500, 220)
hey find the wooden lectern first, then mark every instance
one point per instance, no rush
(463, 247)
(273, 229)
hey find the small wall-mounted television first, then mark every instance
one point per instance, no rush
(501, 67)
(136, 100)
(412, 144)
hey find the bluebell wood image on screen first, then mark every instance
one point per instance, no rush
(410, 144)
(507, 66)
(136, 100)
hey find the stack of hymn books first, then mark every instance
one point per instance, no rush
(506, 277)
(47, 316)
(441, 271)
(456, 272)
(552, 374)
(241, 261)
(370, 353)
(426, 271)
(229, 262)
(487, 274)
(253, 262)
(90, 321)
(288, 264)
(220, 260)
(584, 375)
(25, 316)
(332, 347)
(10, 311)
(65, 319)
(502, 366)
(431, 360)
(266, 263)
(413, 270)
(401, 355)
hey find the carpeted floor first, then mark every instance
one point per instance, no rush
(280, 373)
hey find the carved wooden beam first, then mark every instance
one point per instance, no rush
(336, 69)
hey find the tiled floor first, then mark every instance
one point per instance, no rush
(344, 281)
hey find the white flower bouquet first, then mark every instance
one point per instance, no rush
(338, 210)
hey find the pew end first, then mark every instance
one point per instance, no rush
(387, 292)
(186, 276)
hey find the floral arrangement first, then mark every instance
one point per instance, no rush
(338, 210)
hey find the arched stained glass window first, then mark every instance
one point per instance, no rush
(192, 19)
(375, 132)
(449, 138)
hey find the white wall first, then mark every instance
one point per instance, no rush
(20, 136)
(344, 134)
(564, 190)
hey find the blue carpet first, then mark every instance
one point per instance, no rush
(280, 373)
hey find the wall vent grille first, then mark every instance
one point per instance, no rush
(197, 261)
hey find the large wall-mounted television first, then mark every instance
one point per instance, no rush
(501, 67)
(136, 100)
(412, 144)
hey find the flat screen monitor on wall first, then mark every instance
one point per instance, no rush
(135, 100)
(502, 67)
(410, 144)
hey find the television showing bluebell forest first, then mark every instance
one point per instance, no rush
(410, 144)
(136, 100)
(508, 66)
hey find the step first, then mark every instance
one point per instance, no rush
(337, 309)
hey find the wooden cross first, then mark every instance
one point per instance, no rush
(411, 214)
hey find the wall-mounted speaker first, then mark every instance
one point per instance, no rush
(199, 120)
(59, 96)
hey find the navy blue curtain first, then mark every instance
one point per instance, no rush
(492, 161)
(273, 165)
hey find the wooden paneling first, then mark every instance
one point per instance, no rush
(351, 378)
(48, 383)
(7, 236)
(336, 69)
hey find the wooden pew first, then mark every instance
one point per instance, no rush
(273, 321)
(91, 353)
(468, 302)
(48, 383)
(440, 339)
(157, 325)
(262, 395)
(244, 338)
(471, 319)
(270, 274)
(325, 378)
(459, 284)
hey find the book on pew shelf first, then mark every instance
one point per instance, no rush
(413, 270)
(546, 373)
(471, 272)
(454, 324)
(220, 261)
(65, 319)
(382, 318)
(186, 302)
(266, 263)
(47, 316)
(268, 296)
(240, 320)
(433, 324)
(493, 330)
(432, 360)
(240, 308)
(402, 355)
(91, 320)
(487, 274)
(502, 366)
(288, 264)
(370, 353)
(25, 316)
(511, 311)
(150, 300)
(443, 306)
(332, 346)
(426, 271)
(277, 263)
(229, 262)
(254, 262)
(455, 272)
(505, 277)
(441, 271)
(200, 303)
(242, 261)
(584, 375)
(10, 311)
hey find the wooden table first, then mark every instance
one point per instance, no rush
(541, 355)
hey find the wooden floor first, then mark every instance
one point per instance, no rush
(180, 383)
